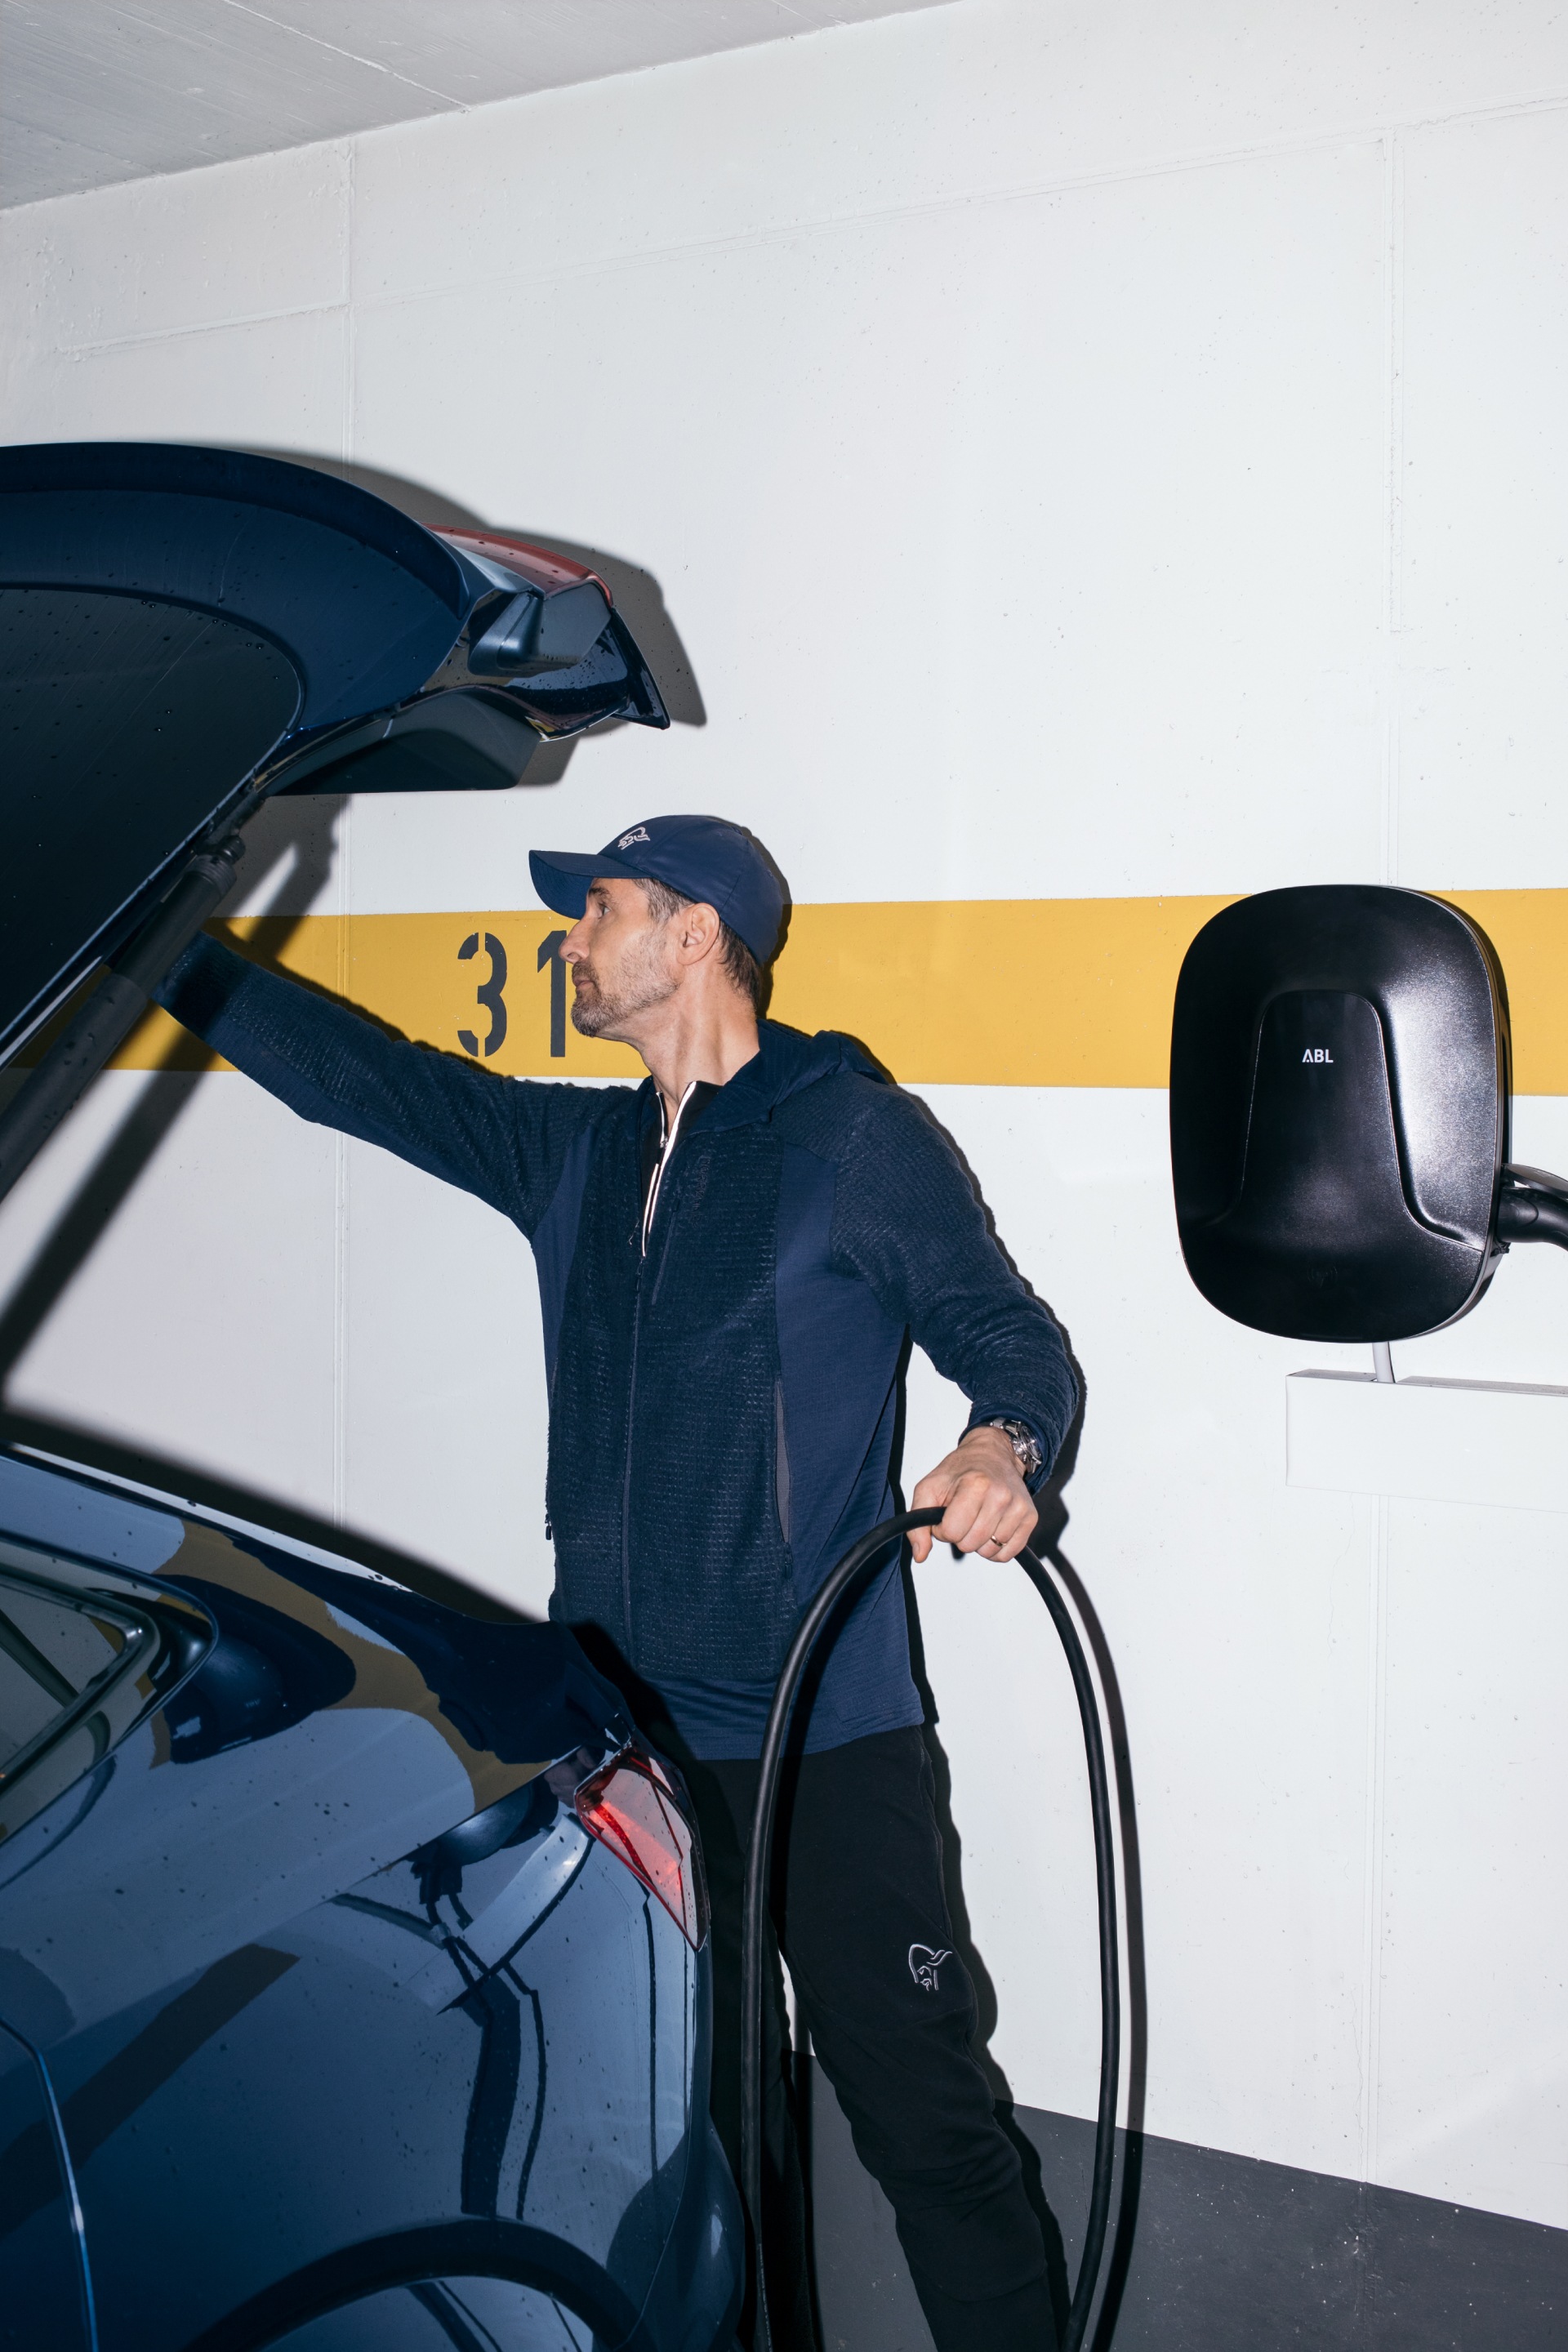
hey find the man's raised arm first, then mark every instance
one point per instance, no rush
(494, 1137)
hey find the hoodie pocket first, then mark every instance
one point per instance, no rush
(781, 1462)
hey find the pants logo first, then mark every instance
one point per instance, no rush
(925, 1964)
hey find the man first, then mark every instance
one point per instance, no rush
(732, 1258)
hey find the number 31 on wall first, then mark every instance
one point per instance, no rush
(491, 994)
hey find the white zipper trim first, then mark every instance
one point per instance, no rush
(671, 1130)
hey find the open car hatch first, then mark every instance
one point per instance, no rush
(185, 631)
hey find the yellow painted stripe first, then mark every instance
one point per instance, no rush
(1011, 992)
(1529, 930)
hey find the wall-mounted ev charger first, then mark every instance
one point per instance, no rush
(1340, 1101)
(1339, 1078)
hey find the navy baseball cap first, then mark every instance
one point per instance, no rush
(701, 856)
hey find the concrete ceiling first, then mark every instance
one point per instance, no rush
(93, 91)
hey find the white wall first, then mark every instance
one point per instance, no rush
(1084, 450)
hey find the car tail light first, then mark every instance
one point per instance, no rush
(631, 1807)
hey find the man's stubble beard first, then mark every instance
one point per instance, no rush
(644, 983)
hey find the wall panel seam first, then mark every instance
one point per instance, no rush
(212, 326)
(1352, 133)
(1376, 1833)
(546, 273)
(1394, 441)
(1341, 140)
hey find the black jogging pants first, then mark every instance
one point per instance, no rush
(860, 1912)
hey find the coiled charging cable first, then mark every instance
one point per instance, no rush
(759, 1859)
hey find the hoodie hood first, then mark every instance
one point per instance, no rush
(786, 1062)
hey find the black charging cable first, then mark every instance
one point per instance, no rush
(1532, 1206)
(753, 1922)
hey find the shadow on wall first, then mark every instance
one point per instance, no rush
(291, 843)
(293, 848)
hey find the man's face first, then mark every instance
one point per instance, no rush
(620, 960)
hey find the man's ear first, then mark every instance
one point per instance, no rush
(700, 930)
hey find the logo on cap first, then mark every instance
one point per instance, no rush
(639, 834)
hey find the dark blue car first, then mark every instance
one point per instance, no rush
(354, 1986)
(350, 1962)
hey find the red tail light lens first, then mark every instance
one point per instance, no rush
(630, 1807)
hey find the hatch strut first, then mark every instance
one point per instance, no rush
(106, 1019)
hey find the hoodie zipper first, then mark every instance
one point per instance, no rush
(671, 1130)
(626, 1469)
(666, 1153)
(669, 1135)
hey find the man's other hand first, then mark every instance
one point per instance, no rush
(988, 1508)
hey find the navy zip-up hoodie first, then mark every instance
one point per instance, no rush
(722, 1403)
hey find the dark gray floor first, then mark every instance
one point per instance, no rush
(1223, 2254)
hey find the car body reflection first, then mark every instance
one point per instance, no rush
(329, 2022)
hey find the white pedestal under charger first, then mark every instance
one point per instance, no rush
(1442, 1441)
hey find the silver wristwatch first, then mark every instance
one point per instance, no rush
(1024, 1442)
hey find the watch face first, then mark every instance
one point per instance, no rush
(1025, 1443)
